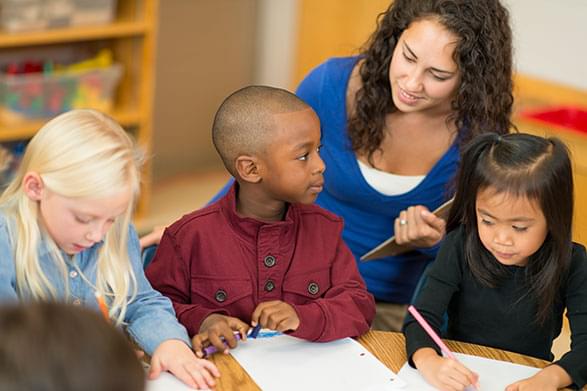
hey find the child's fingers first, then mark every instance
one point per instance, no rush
(243, 330)
(230, 339)
(255, 317)
(287, 323)
(200, 374)
(217, 342)
(238, 325)
(155, 369)
(457, 380)
(269, 317)
(513, 387)
(198, 343)
(454, 384)
(185, 376)
(210, 367)
(465, 375)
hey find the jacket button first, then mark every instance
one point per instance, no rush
(220, 295)
(313, 288)
(269, 261)
(269, 285)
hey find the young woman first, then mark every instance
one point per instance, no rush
(434, 74)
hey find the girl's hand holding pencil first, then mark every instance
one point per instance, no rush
(444, 373)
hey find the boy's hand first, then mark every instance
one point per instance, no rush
(219, 330)
(276, 315)
(176, 357)
(443, 373)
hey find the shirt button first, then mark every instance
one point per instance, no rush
(220, 295)
(269, 261)
(313, 288)
(269, 285)
(77, 302)
(73, 274)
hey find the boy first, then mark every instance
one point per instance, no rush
(263, 254)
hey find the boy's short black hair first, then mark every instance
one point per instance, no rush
(60, 347)
(244, 121)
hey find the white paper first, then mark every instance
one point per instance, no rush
(166, 382)
(286, 363)
(493, 374)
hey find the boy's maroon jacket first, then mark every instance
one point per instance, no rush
(213, 261)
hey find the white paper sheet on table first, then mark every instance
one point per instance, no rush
(166, 382)
(287, 363)
(493, 374)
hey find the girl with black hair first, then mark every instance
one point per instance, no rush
(508, 268)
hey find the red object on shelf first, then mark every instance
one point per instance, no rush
(569, 117)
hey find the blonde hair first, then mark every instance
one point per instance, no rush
(78, 154)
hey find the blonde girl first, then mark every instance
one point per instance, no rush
(66, 235)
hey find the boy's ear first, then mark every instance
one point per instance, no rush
(33, 185)
(247, 167)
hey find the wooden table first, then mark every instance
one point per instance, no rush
(388, 347)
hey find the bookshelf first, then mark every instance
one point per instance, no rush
(131, 38)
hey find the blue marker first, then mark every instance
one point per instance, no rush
(255, 331)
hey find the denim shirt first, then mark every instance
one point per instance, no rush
(150, 317)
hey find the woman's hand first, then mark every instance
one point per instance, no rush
(417, 227)
(443, 373)
(218, 330)
(176, 357)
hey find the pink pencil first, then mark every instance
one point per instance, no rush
(433, 335)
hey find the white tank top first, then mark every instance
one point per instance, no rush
(387, 183)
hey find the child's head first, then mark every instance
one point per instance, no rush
(56, 347)
(515, 199)
(269, 137)
(75, 187)
(80, 172)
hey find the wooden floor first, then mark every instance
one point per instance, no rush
(175, 197)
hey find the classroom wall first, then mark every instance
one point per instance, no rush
(550, 38)
(277, 34)
(205, 50)
(329, 28)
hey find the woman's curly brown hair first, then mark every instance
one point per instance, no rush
(483, 101)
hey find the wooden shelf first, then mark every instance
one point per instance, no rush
(26, 129)
(131, 37)
(73, 34)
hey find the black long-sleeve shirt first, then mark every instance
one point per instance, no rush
(501, 317)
